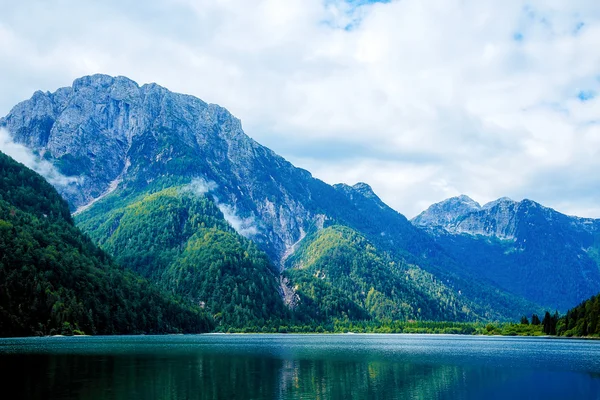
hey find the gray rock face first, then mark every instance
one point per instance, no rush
(499, 218)
(113, 134)
(493, 219)
(110, 130)
(446, 212)
(464, 215)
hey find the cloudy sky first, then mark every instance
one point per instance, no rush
(423, 100)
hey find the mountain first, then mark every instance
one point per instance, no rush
(121, 143)
(179, 237)
(528, 249)
(109, 132)
(53, 279)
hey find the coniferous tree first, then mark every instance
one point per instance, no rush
(554, 322)
(550, 322)
(547, 323)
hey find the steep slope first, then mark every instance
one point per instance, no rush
(530, 250)
(337, 272)
(122, 141)
(179, 238)
(54, 280)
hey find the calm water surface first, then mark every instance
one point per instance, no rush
(299, 367)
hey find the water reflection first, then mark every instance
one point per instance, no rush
(365, 380)
(290, 369)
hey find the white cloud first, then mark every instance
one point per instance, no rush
(26, 157)
(443, 97)
(200, 186)
(244, 226)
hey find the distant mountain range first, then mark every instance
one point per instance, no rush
(161, 180)
(526, 248)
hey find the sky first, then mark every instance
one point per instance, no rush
(423, 100)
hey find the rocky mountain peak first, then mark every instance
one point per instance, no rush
(360, 193)
(502, 201)
(447, 211)
(464, 215)
(116, 136)
(534, 241)
(463, 198)
(364, 189)
(101, 81)
(97, 127)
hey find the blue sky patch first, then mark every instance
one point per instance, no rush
(352, 11)
(585, 95)
(578, 27)
(358, 3)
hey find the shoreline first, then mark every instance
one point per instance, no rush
(592, 338)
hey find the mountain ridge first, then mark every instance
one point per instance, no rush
(521, 243)
(136, 141)
(113, 134)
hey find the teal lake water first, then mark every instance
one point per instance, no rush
(299, 367)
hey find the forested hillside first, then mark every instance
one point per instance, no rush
(54, 280)
(337, 272)
(583, 320)
(180, 239)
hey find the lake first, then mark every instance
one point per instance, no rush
(299, 367)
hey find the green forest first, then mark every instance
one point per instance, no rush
(54, 280)
(583, 320)
(339, 274)
(180, 240)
